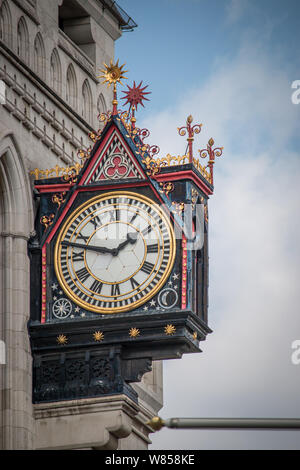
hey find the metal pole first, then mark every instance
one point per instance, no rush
(157, 423)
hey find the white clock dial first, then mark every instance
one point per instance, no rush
(114, 252)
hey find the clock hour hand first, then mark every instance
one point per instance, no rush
(131, 238)
(99, 249)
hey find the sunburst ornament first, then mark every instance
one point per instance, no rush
(98, 336)
(135, 95)
(113, 73)
(62, 339)
(134, 332)
(170, 329)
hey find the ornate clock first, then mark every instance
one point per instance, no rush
(120, 279)
(114, 252)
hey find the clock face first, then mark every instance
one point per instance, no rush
(114, 252)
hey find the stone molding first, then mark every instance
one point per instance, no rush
(29, 8)
(98, 423)
(76, 54)
(50, 119)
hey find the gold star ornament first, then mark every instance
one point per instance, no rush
(113, 73)
(62, 339)
(170, 329)
(98, 336)
(134, 332)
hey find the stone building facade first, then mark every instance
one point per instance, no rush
(50, 54)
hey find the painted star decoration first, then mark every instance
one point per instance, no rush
(134, 332)
(170, 329)
(61, 339)
(135, 95)
(98, 336)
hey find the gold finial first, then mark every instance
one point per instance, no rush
(156, 423)
(211, 154)
(113, 73)
(190, 130)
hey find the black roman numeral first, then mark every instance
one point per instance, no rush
(147, 230)
(96, 221)
(112, 215)
(147, 267)
(134, 217)
(83, 237)
(152, 248)
(78, 256)
(115, 290)
(82, 274)
(96, 286)
(134, 283)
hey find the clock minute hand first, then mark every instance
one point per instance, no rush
(99, 249)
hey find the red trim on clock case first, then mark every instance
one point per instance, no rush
(183, 272)
(180, 175)
(112, 186)
(44, 284)
(96, 156)
(50, 188)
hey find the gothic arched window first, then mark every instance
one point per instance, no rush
(86, 101)
(71, 95)
(39, 56)
(55, 72)
(101, 105)
(23, 40)
(5, 23)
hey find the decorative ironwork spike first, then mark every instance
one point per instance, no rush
(190, 130)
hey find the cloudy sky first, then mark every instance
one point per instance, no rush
(231, 64)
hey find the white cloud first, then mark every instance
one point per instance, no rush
(245, 369)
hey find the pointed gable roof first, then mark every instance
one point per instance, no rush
(114, 158)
